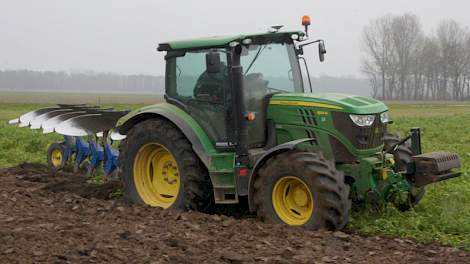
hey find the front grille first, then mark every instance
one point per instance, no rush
(360, 137)
(340, 152)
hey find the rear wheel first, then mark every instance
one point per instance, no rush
(402, 156)
(159, 167)
(56, 156)
(302, 189)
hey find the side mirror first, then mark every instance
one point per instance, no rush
(321, 51)
(213, 64)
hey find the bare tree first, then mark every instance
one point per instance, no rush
(378, 47)
(370, 71)
(466, 76)
(451, 37)
(405, 64)
(430, 60)
(407, 40)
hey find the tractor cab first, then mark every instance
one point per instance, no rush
(200, 79)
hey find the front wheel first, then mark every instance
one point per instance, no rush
(302, 189)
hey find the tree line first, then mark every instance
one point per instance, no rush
(402, 62)
(89, 81)
(86, 81)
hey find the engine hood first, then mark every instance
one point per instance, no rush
(332, 102)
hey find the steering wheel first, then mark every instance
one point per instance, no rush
(258, 77)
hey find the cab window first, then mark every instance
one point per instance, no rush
(274, 64)
(200, 89)
(193, 82)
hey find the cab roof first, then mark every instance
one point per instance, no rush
(224, 41)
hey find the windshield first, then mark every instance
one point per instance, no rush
(274, 66)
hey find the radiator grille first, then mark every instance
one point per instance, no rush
(360, 137)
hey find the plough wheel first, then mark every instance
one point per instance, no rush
(56, 156)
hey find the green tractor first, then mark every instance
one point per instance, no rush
(238, 123)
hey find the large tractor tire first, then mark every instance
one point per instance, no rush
(56, 156)
(159, 168)
(302, 189)
(402, 156)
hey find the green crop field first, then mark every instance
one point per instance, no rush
(442, 216)
(444, 213)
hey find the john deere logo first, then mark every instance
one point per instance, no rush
(376, 131)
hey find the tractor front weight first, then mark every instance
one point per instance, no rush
(378, 180)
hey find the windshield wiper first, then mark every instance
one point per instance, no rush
(255, 58)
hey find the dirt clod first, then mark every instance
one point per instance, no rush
(48, 217)
(341, 235)
(234, 258)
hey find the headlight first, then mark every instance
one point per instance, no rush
(362, 120)
(384, 117)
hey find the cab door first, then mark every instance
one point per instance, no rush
(269, 68)
(197, 81)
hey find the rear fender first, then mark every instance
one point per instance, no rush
(262, 160)
(201, 143)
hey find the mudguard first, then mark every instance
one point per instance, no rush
(201, 143)
(262, 160)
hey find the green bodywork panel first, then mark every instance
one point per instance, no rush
(220, 164)
(345, 103)
(203, 42)
(310, 116)
(220, 41)
(290, 119)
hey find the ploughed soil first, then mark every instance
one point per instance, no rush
(48, 217)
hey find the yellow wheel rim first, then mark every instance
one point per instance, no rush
(292, 200)
(156, 175)
(56, 158)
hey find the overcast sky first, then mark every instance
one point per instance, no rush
(121, 36)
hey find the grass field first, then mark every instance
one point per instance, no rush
(443, 215)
